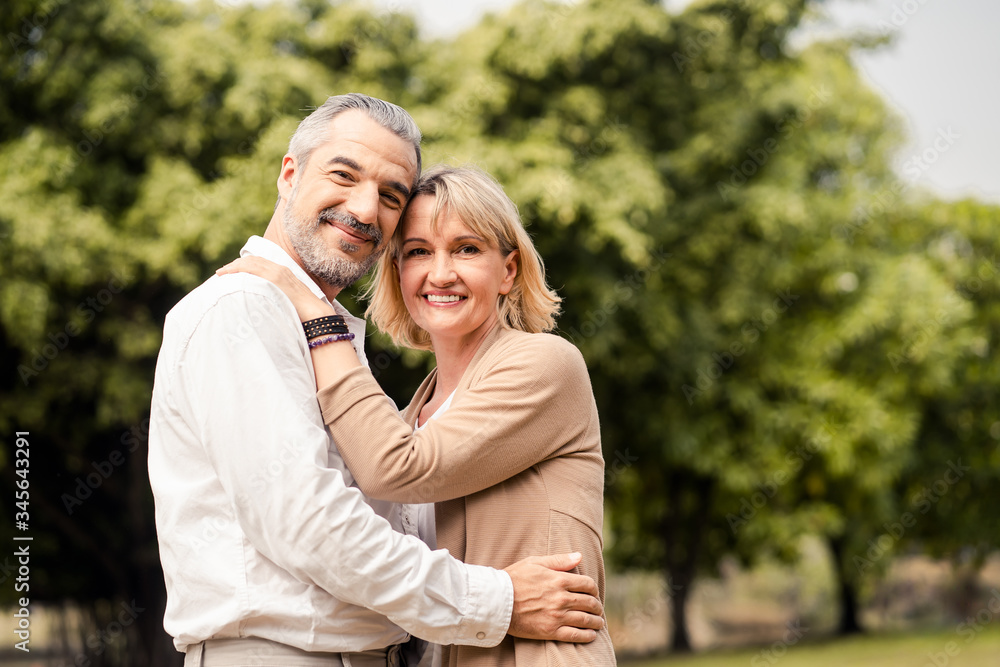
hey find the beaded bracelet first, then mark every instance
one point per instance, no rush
(331, 339)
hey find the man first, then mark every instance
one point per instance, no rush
(270, 556)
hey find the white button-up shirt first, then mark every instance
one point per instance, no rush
(262, 532)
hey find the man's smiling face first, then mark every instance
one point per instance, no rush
(343, 205)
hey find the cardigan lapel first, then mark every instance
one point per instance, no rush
(423, 393)
(481, 355)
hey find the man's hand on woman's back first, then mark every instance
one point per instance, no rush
(552, 603)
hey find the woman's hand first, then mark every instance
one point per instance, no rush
(307, 305)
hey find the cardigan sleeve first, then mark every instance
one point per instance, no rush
(530, 398)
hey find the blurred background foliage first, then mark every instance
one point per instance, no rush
(785, 337)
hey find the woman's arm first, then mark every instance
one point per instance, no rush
(333, 361)
(530, 404)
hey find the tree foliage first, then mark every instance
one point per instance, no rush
(783, 338)
(711, 201)
(140, 144)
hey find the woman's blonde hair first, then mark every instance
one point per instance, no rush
(480, 202)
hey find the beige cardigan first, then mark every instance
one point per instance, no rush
(514, 465)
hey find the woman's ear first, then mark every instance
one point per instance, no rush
(510, 267)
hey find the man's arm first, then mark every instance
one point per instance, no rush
(245, 377)
(271, 458)
(551, 603)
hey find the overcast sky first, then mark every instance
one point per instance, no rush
(942, 75)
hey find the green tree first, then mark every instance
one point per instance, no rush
(702, 192)
(781, 341)
(950, 487)
(140, 142)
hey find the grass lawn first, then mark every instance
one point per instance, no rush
(916, 650)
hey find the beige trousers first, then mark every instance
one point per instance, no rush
(255, 652)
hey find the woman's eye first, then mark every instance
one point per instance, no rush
(415, 252)
(468, 250)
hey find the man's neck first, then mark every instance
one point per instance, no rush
(275, 233)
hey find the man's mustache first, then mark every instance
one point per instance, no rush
(330, 215)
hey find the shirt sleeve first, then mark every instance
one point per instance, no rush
(247, 351)
(522, 409)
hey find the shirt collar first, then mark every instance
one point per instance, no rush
(261, 247)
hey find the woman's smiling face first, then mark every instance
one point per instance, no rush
(450, 277)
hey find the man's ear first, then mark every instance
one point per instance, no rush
(286, 177)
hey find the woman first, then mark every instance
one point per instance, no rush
(503, 435)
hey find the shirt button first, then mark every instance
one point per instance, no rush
(480, 635)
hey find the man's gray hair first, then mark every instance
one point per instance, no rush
(314, 130)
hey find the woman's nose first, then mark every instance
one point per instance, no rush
(443, 269)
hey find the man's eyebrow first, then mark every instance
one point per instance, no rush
(348, 162)
(402, 189)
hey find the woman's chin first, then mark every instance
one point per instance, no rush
(444, 333)
(462, 333)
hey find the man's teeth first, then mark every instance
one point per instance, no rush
(437, 298)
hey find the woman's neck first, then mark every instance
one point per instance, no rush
(453, 357)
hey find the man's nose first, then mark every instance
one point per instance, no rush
(363, 203)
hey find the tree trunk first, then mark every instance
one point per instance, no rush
(848, 622)
(154, 647)
(683, 531)
(680, 639)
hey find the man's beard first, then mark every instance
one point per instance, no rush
(320, 261)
